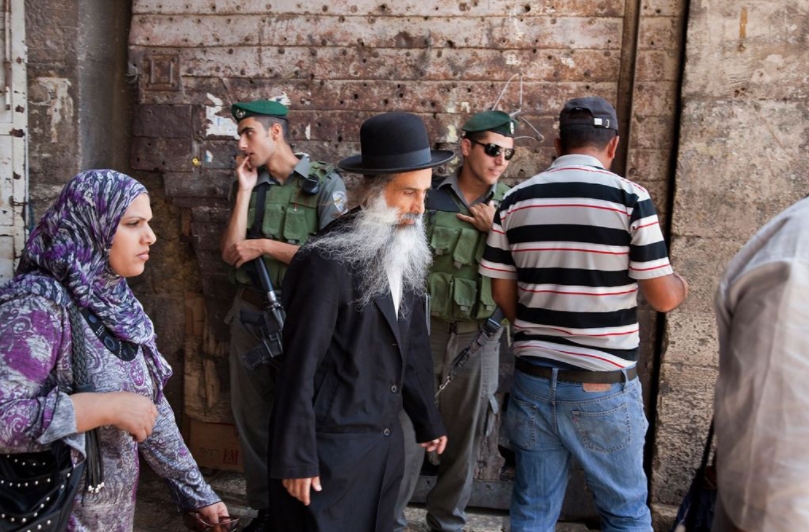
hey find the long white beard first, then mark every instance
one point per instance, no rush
(380, 251)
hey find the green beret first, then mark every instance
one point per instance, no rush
(242, 110)
(496, 121)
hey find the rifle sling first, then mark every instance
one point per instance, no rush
(258, 220)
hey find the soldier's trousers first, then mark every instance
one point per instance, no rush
(467, 408)
(251, 394)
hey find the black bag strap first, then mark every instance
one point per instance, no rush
(81, 376)
(707, 452)
(126, 351)
(94, 471)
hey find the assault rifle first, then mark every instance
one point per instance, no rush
(268, 324)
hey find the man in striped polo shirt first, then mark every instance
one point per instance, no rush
(569, 250)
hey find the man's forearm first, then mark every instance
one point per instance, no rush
(504, 292)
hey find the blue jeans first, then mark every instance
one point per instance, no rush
(550, 421)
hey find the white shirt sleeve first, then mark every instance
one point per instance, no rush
(497, 261)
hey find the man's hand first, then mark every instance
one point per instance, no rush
(438, 445)
(482, 216)
(247, 175)
(301, 487)
(244, 251)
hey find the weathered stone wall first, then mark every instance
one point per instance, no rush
(52, 37)
(742, 139)
(80, 110)
(340, 62)
(79, 106)
(742, 159)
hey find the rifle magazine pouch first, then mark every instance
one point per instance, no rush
(486, 304)
(295, 226)
(273, 221)
(443, 240)
(440, 285)
(464, 252)
(464, 294)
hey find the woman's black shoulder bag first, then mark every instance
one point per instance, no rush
(38, 490)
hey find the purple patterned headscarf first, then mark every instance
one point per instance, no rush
(71, 245)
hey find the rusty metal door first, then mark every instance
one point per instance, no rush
(13, 135)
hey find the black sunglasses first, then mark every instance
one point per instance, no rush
(493, 150)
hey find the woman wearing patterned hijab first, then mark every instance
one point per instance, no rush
(94, 236)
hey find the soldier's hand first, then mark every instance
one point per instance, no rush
(244, 251)
(247, 175)
(300, 488)
(482, 216)
(438, 445)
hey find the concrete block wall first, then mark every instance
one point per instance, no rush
(742, 159)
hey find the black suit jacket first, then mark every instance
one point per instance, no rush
(347, 370)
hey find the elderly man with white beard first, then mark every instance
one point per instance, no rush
(357, 346)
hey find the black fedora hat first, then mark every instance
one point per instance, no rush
(392, 143)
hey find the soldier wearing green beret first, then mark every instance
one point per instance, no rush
(458, 214)
(279, 200)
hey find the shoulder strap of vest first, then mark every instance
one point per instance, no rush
(322, 170)
(439, 199)
(500, 191)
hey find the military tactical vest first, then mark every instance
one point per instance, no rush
(457, 291)
(290, 216)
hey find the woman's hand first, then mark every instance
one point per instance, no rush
(130, 412)
(213, 512)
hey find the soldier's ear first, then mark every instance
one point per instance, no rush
(466, 146)
(276, 132)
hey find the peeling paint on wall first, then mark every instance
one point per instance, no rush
(217, 125)
(60, 104)
(459, 107)
(283, 99)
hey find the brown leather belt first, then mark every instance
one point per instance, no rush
(566, 375)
